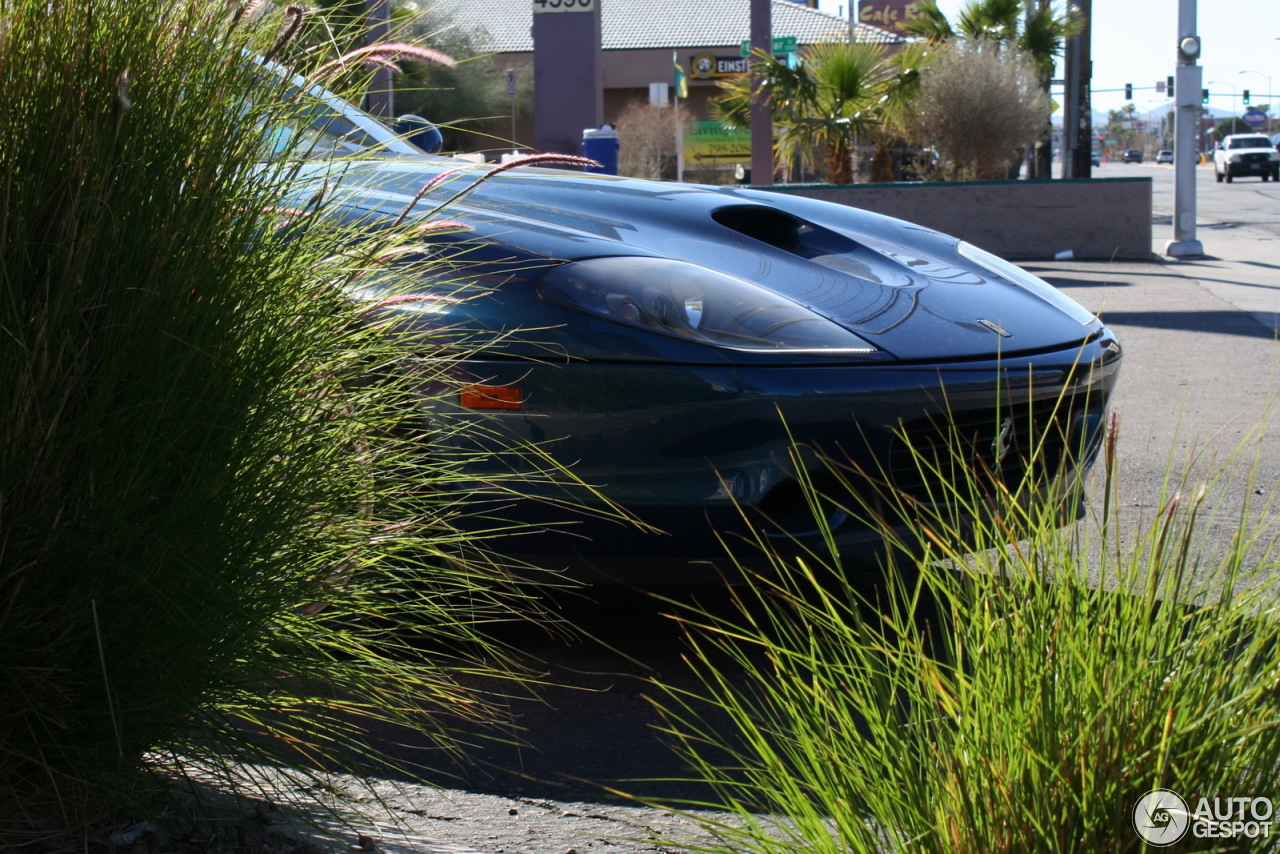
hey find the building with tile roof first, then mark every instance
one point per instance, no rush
(505, 26)
(640, 38)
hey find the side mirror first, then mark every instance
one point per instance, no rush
(420, 132)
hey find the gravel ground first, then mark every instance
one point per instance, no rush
(343, 814)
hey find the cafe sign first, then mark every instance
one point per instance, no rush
(888, 14)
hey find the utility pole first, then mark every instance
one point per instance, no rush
(761, 109)
(1042, 158)
(379, 101)
(1188, 76)
(1077, 130)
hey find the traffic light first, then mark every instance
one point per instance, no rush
(1204, 96)
(1168, 85)
(1246, 96)
(1128, 91)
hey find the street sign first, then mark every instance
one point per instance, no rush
(511, 83)
(781, 44)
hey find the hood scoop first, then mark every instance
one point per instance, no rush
(812, 242)
(784, 231)
(908, 302)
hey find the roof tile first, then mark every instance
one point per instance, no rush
(505, 26)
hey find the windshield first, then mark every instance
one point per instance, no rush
(1250, 142)
(317, 132)
(319, 125)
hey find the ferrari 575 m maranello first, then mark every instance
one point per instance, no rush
(672, 345)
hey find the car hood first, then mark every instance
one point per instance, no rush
(912, 292)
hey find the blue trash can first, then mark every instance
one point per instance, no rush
(601, 145)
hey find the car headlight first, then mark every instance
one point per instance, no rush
(1034, 284)
(686, 301)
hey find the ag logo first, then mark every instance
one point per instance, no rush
(1161, 817)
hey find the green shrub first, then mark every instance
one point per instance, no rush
(218, 537)
(1022, 697)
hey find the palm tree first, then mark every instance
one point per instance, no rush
(1031, 26)
(833, 96)
(895, 107)
(1120, 125)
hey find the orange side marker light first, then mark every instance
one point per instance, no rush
(491, 397)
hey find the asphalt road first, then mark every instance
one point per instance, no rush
(1250, 204)
(1200, 377)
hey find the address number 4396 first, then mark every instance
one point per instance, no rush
(564, 6)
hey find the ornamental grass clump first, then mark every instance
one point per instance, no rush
(222, 533)
(1017, 686)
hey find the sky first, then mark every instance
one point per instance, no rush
(1135, 41)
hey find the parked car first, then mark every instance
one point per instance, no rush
(1164, 155)
(673, 343)
(1132, 155)
(1246, 154)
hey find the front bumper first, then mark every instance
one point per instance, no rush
(1252, 166)
(702, 454)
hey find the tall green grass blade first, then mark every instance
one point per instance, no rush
(1013, 684)
(224, 536)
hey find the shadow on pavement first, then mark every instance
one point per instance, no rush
(1206, 322)
(591, 730)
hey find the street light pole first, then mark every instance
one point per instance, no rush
(1234, 97)
(1234, 92)
(1266, 77)
(1187, 98)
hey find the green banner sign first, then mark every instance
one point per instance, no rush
(712, 142)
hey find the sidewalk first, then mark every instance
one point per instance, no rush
(1240, 266)
(400, 818)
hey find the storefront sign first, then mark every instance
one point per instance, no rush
(711, 142)
(706, 66)
(887, 14)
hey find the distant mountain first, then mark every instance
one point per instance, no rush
(1101, 117)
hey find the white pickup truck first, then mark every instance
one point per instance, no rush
(1246, 154)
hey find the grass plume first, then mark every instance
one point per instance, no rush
(223, 535)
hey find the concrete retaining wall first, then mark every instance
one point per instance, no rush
(1098, 218)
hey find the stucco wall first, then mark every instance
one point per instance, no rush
(1098, 218)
